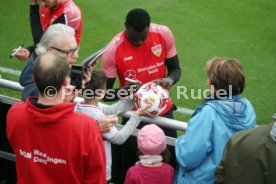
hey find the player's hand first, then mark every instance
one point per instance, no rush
(107, 122)
(144, 112)
(22, 54)
(166, 83)
(132, 85)
(33, 2)
(87, 76)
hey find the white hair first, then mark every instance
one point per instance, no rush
(51, 36)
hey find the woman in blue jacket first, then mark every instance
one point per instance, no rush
(225, 112)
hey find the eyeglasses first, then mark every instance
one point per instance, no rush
(69, 53)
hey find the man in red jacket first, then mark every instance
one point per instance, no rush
(52, 143)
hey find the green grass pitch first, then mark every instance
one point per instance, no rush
(245, 30)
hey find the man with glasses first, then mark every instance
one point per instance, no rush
(69, 53)
(59, 38)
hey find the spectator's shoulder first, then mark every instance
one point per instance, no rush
(21, 105)
(253, 133)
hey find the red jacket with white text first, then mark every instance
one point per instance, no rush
(54, 144)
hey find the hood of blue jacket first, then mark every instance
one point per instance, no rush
(237, 112)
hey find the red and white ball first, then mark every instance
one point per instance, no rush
(154, 95)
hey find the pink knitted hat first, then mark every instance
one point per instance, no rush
(151, 140)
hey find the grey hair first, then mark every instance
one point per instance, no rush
(51, 35)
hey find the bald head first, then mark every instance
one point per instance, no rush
(50, 69)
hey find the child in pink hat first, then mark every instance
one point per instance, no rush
(152, 167)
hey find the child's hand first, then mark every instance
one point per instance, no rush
(143, 112)
(107, 122)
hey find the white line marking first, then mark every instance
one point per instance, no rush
(184, 110)
(10, 71)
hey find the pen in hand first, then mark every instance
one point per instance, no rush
(15, 51)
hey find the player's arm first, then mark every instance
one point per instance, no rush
(171, 61)
(35, 24)
(25, 53)
(173, 73)
(173, 69)
(36, 27)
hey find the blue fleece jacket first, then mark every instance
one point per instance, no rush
(200, 150)
(26, 80)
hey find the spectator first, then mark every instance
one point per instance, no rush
(93, 93)
(249, 157)
(152, 167)
(143, 51)
(51, 12)
(59, 38)
(224, 113)
(52, 143)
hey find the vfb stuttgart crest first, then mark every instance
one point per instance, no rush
(157, 50)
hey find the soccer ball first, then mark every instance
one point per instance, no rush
(154, 95)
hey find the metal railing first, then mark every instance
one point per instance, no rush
(161, 121)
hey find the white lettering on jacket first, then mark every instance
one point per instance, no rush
(40, 157)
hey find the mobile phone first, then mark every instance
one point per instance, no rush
(76, 75)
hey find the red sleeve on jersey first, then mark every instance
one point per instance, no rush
(73, 18)
(168, 37)
(109, 65)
